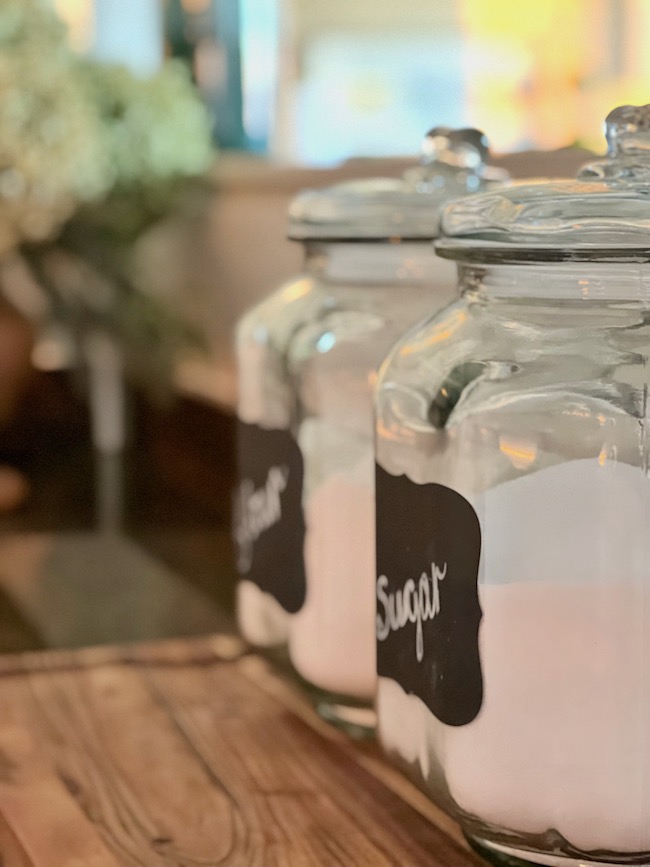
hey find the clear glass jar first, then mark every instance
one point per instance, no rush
(269, 526)
(334, 360)
(513, 521)
(381, 278)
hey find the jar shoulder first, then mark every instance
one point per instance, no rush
(275, 318)
(478, 374)
(366, 321)
(534, 342)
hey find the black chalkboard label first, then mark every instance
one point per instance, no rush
(269, 525)
(428, 610)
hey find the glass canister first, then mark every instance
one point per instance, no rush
(369, 246)
(513, 521)
(268, 521)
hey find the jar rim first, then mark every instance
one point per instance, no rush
(475, 251)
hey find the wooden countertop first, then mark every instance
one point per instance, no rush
(191, 752)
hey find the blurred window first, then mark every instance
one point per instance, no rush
(317, 81)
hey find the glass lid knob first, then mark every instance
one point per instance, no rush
(627, 130)
(457, 148)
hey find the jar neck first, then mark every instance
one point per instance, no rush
(373, 263)
(596, 283)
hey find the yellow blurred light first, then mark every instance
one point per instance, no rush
(520, 452)
(298, 289)
(195, 7)
(369, 94)
(529, 64)
(78, 16)
(508, 16)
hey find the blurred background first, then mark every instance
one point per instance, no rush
(305, 92)
(272, 72)
(148, 153)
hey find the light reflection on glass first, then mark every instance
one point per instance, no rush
(326, 342)
(520, 452)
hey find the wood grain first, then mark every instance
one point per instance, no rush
(185, 754)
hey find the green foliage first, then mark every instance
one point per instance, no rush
(91, 157)
(155, 129)
(52, 156)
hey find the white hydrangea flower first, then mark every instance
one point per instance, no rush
(156, 128)
(90, 159)
(52, 153)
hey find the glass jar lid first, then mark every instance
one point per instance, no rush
(453, 163)
(603, 215)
